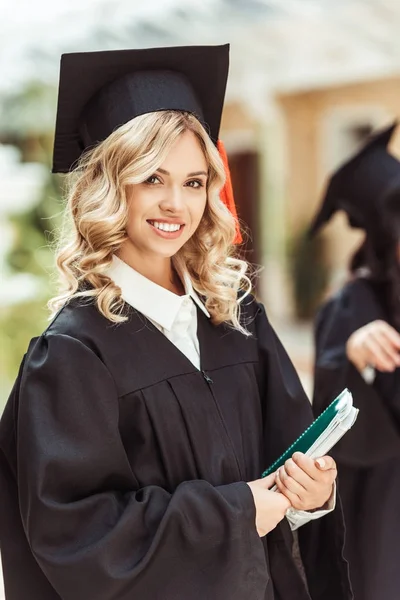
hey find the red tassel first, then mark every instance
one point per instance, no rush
(226, 194)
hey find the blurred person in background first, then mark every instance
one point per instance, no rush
(358, 346)
(133, 442)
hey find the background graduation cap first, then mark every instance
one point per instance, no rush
(100, 91)
(359, 186)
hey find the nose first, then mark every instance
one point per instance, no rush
(173, 201)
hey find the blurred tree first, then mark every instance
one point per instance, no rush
(19, 323)
(26, 125)
(34, 228)
(30, 253)
(28, 116)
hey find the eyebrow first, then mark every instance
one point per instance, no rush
(194, 174)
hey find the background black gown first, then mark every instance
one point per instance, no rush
(369, 455)
(123, 466)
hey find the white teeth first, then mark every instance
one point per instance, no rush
(166, 226)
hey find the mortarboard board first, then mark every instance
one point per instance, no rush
(359, 185)
(100, 91)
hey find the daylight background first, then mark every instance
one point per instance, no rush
(309, 81)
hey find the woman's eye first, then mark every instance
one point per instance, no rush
(153, 179)
(195, 183)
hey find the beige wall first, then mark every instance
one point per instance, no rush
(310, 118)
(235, 116)
(297, 150)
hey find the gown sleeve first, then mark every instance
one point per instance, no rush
(287, 413)
(282, 386)
(93, 532)
(374, 437)
(286, 409)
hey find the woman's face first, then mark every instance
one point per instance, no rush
(166, 209)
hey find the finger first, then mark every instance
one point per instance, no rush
(291, 469)
(292, 497)
(376, 351)
(327, 476)
(391, 334)
(326, 463)
(268, 481)
(307, 464)
(292, 485)
(388, 347)
(385, 340)
(377, 356)
(328, 470)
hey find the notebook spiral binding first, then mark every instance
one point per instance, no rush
(272, 467)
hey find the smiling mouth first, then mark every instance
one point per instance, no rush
(167, 227)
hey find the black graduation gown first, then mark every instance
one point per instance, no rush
(369, 455)
(124, 467)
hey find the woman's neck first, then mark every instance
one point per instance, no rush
(159, 270)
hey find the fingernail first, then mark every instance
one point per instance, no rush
(297, 455)
(321, 462)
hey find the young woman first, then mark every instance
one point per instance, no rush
(358, 346)
(142, 418)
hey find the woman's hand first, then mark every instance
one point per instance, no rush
(305, 482)
(270, 506)
(376, 344)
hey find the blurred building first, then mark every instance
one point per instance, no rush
(280, 163)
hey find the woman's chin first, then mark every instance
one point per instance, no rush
(167, 250)
(155, 249)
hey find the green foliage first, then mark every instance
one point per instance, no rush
(19, 323)
(31, 113)
(309, 273)
(33, 229)
(30, 253)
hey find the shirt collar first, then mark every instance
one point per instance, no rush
(149, 298)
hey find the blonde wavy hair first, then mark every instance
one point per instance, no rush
(97, 212)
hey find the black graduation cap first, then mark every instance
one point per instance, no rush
(359, 185)
(100, 91)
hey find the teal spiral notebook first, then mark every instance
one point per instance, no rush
(323, 433)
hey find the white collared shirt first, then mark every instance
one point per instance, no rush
(176, 317)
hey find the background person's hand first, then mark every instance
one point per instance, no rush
(307, 483)
(376, 344)
(270, 506)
